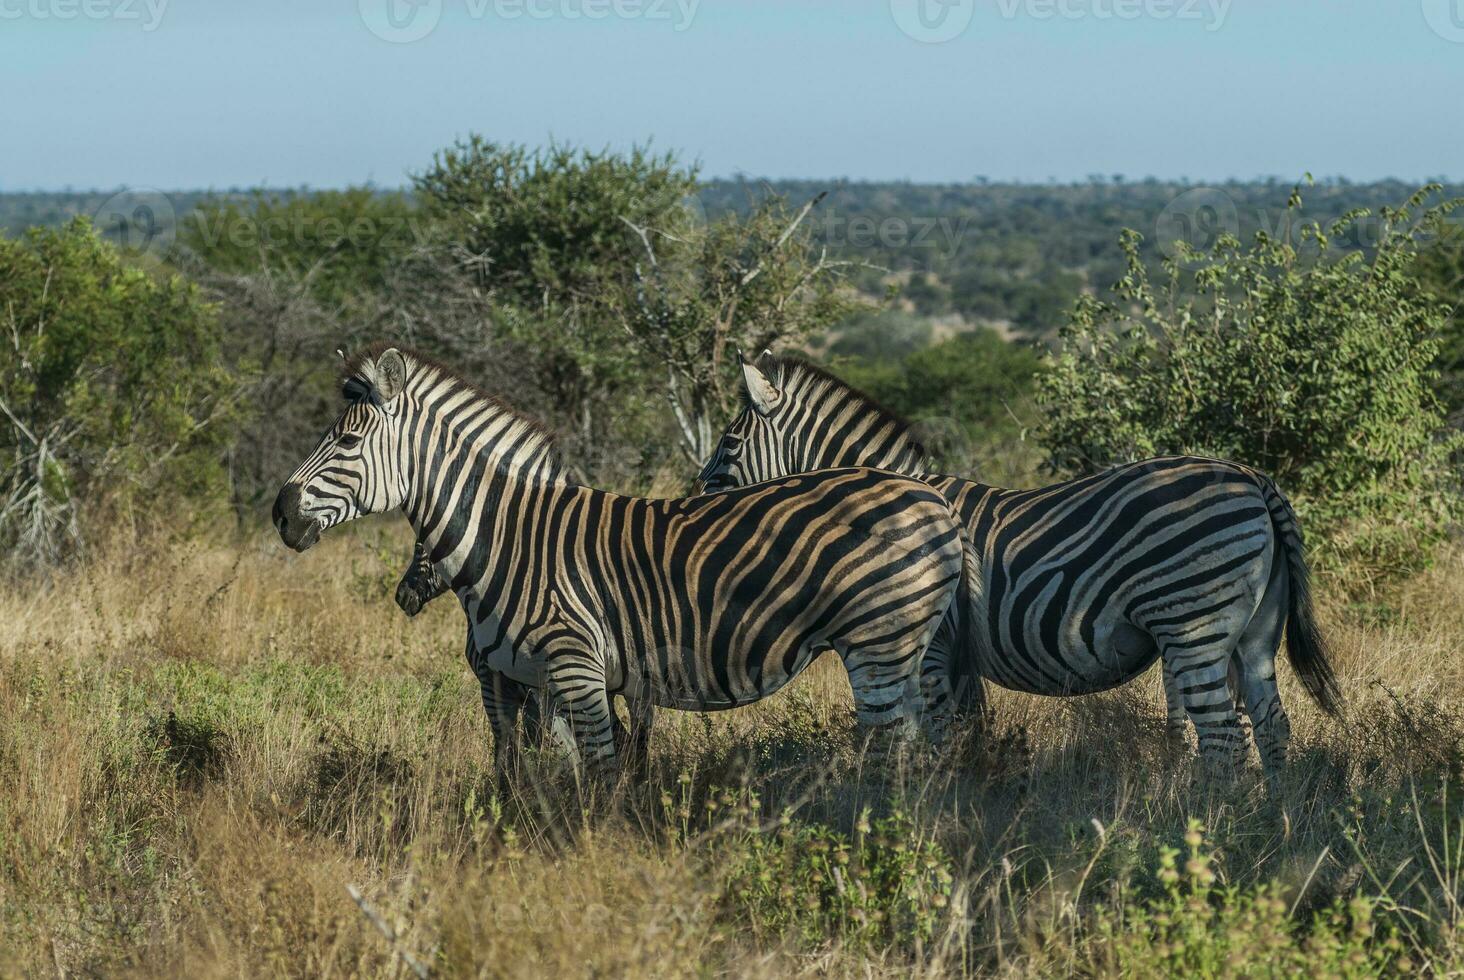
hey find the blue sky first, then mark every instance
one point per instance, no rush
(208, 93)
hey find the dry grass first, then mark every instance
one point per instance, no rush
(200, 748)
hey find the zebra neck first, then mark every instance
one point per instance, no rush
(897, 459)
(916, 469)
(838, 426)
(463, 466)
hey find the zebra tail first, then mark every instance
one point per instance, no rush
(1306, 648)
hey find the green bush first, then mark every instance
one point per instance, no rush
(881, 336)
(1441, 270)
(549, 226)
(111, 388)
(546, 232)
(547, 236)
(1199, 928)
(344, 243)
(964, 394)
(1314, 368)
(887, 884)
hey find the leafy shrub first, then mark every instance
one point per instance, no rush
(963, 393)
(546, 232)
(1441, 271)
(887, 884)
(342, 242)
(546, 237)
(1198, 928)
(550, 225)
(1317, 369)
(111, 387)
(879, 336)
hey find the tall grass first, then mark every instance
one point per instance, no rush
(202, 748)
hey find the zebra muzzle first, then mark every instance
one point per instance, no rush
(408, 599)
(296, 530)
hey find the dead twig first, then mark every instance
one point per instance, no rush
(383, 927)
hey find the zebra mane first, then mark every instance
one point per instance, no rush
(807, 378)
(358, 379)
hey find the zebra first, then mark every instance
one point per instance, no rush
(701, 603)
(1081, 585)
(420, 584)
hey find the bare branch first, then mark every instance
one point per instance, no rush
(644, 236)
(383, 927)
(18, 423)
(782, 239)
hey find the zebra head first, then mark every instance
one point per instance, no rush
(358, 466)
(798, 418)
(420, 585)
(754, 446)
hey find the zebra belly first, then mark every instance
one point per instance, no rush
(690, 680)
(522, 665)
(527, 670)
(1117, 653)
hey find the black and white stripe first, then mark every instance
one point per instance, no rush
(702, 603)
(1080, 586)
(419, 585)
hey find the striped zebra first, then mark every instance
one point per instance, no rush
(703, 603)
(420, 584)
(1082, 585)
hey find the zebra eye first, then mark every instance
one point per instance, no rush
(349, 440)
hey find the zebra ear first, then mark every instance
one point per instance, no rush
(762, 385)
(391, 374)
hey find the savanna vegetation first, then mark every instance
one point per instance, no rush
(219, 758)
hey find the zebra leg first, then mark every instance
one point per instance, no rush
(1174, 724)
(1269, 721)
(502, 700)
(937, 692)
(501, 703)
(544, 727)
(1256, 660)
(1202, 676)
(577, 685)
(888, 699)
(634, 741)
(538, 719)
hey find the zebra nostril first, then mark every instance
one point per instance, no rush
(286, 507)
